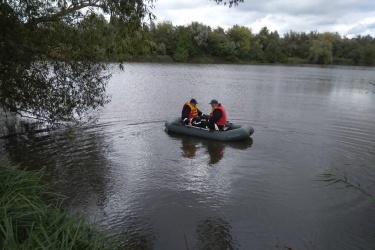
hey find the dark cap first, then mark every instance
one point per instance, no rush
(193, 101)
(214, 101)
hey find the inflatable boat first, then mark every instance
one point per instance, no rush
(232, 132)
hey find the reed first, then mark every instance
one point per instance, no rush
(332, 179)
(31, 216)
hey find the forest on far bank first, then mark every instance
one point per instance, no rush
(196, 42)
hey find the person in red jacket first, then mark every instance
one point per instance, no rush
(218, 116)
(191, 114)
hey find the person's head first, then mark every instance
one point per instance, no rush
(214, 103)
(193, 102)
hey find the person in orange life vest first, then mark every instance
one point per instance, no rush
(218, 116)
(191, 114)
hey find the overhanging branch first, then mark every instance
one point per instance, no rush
(62, 13)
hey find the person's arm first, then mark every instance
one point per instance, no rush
(185, 114)
(216, 116)
(202, 115)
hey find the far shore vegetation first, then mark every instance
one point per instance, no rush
(199, 43)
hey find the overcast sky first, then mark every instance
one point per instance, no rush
(347, 17)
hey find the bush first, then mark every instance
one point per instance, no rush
(29, 222)
(342, 61)
(296, 60)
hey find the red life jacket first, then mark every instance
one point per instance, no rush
(223, 118)
(193, 110)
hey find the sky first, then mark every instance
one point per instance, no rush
(347, 17)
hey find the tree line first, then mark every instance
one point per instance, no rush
(197, 42)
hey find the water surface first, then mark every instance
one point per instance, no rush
(153, 190)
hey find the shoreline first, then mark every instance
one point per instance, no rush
(212, 60)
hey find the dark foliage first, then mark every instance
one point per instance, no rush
(50, 68)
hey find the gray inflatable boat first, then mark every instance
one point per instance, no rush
(232, 132)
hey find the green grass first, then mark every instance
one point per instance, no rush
(31, 218)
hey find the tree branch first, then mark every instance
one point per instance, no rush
(62, 13)
(14, 110)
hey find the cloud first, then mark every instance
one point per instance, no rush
(307, 7)
(362, 29)
(358, 29)
(344, 16)
(371, 25)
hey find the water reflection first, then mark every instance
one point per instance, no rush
(215, 233)
(214, 149)
(189, 147)
(75, 161)
(137, 235)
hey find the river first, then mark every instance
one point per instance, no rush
(153, 190)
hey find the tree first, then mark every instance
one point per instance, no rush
(335, 40)
(49, 65)
(351, 49)
(164, 35)
(268, 46)
(273, 53)
(263, 38)
(256, 53)
(242, 38)
(220, 45)
(321, 51)
(368, 55)
(200, 33)
(273, 50)
(95, 27)
(296, 44)
(184, 44)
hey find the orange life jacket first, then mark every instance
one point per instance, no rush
(193, 110)
(223, 118)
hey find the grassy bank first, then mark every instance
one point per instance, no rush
(31, 218)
